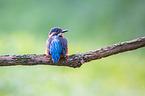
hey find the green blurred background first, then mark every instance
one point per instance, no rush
(92, 24)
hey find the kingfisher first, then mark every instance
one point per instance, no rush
(57, 45)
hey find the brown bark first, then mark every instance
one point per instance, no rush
(74, 60)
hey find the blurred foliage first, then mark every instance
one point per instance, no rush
(24, 27)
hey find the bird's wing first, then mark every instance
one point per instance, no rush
(64, 45)
(48, 42)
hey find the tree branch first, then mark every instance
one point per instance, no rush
(74, 60)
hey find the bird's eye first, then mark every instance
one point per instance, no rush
(59, 30)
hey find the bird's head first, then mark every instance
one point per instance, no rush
(56, 31)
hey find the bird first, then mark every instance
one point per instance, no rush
(57, 44)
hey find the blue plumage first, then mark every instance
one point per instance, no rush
(63, 43)
(55, 49)
(56, 44)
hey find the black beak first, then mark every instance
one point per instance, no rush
(63, 31)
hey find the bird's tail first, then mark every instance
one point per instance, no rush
(55, 60)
